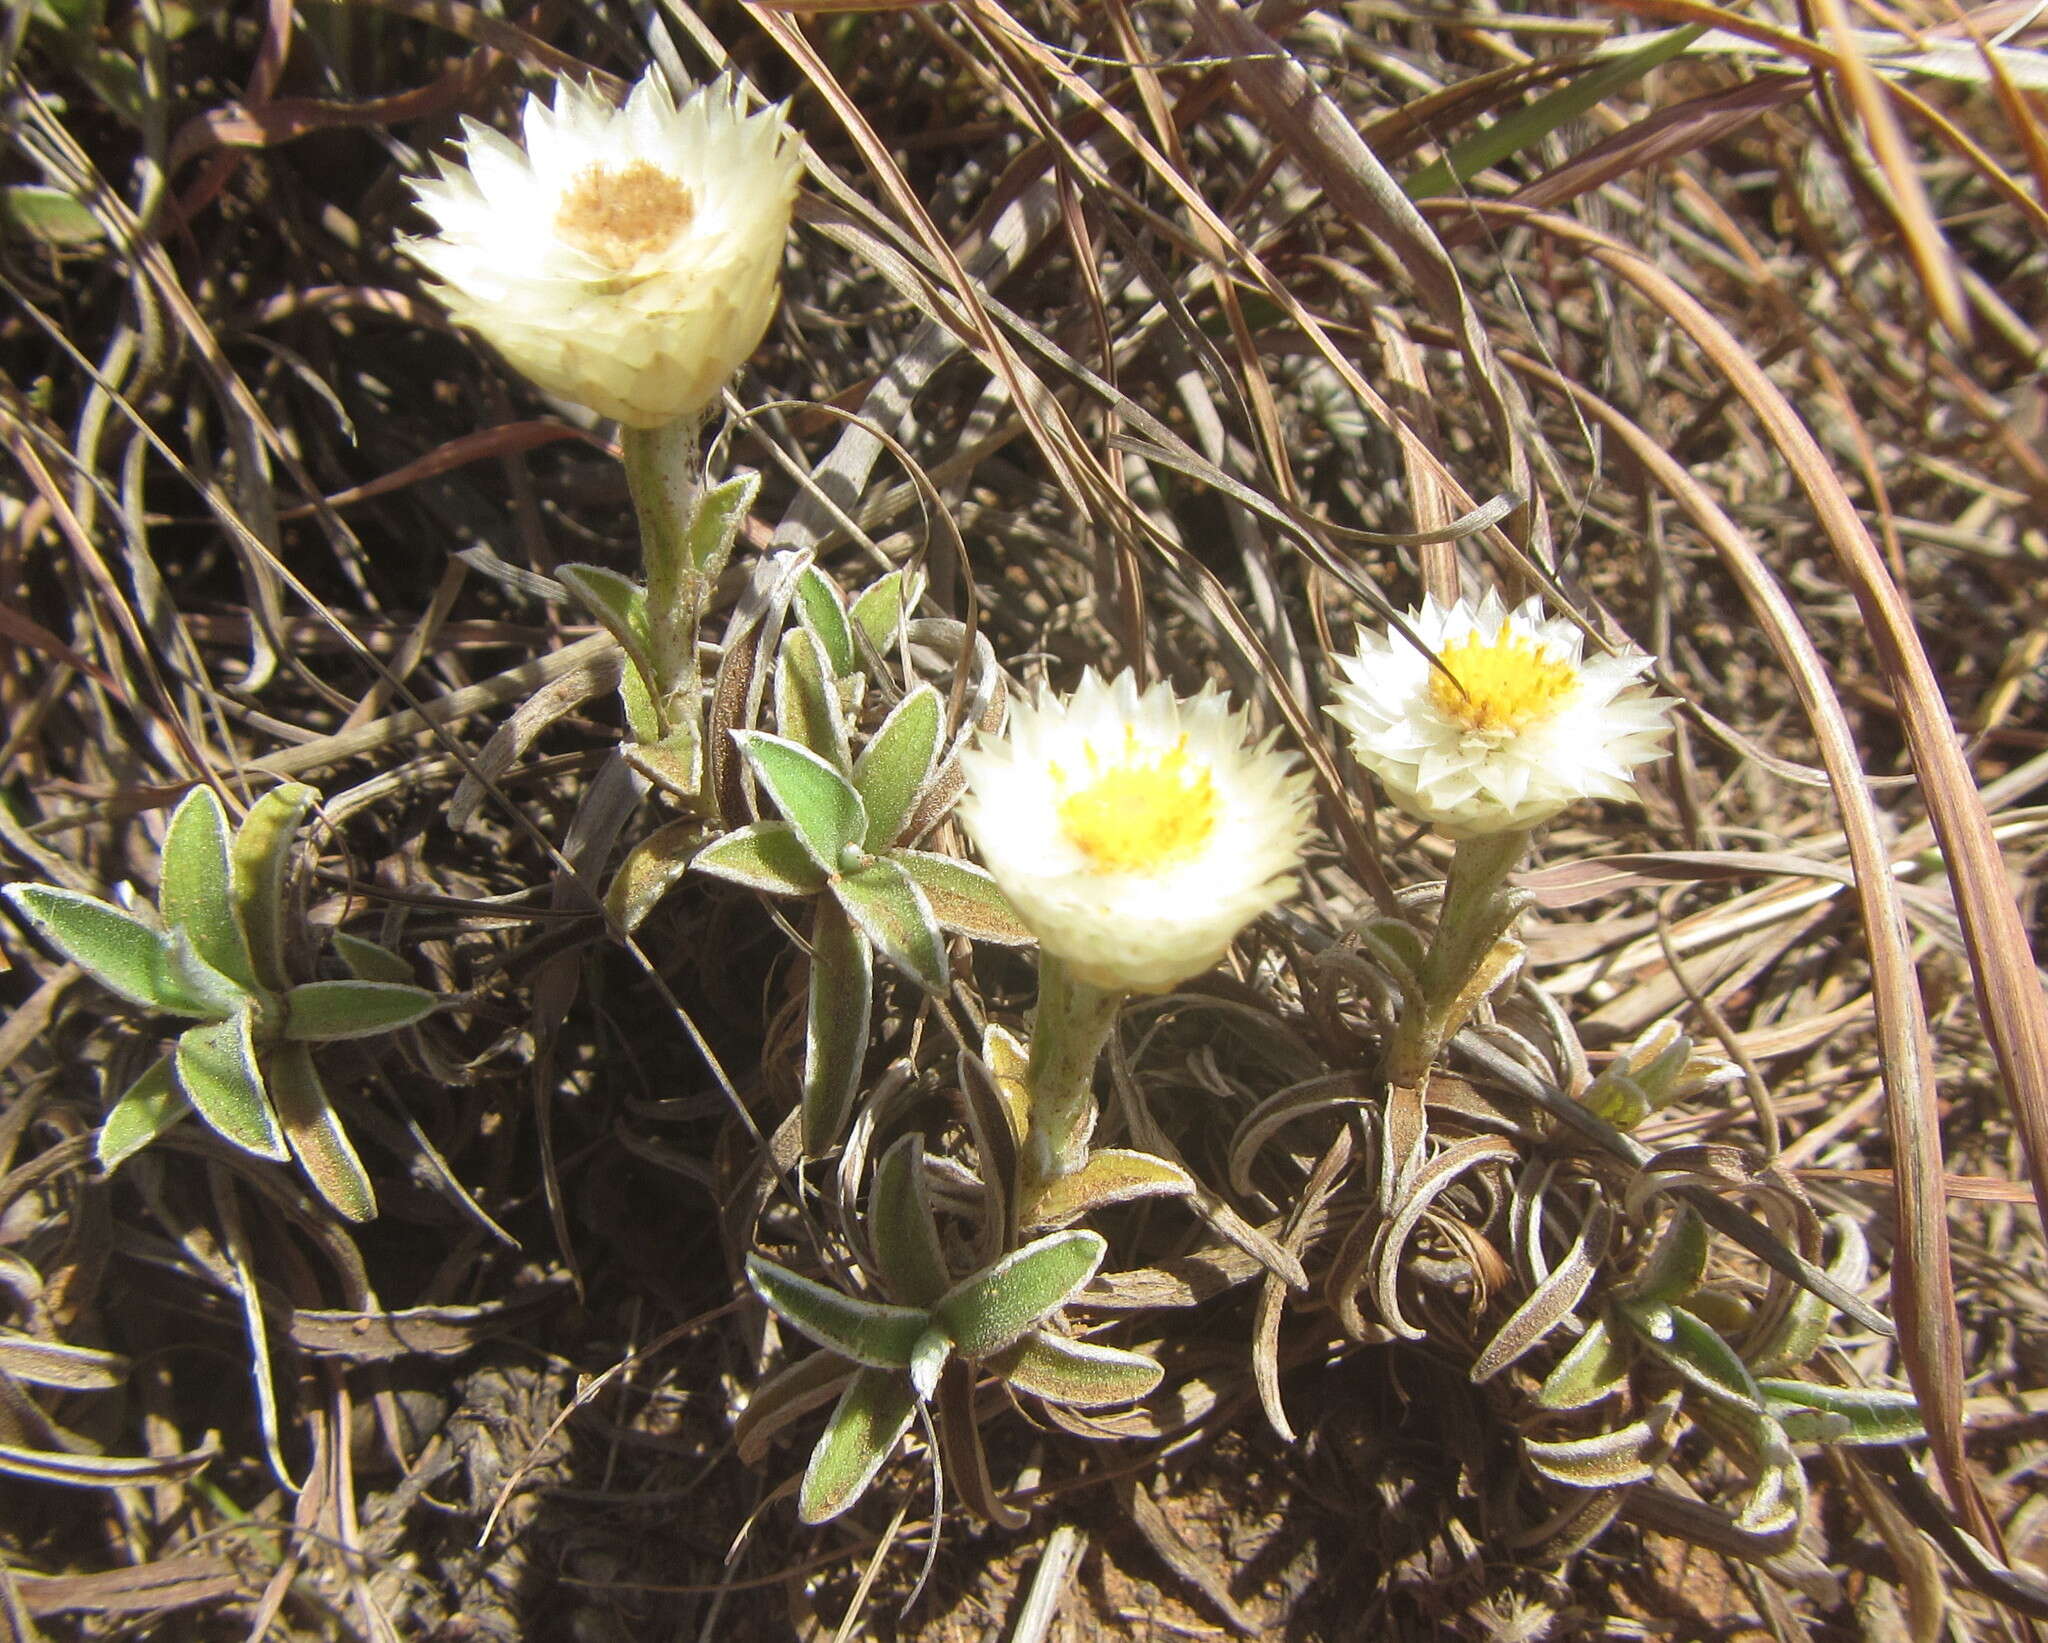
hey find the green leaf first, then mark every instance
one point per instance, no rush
(1803, 1324)
(672, 763)
(370, 962)
(867, 1423)
(895, 765)
(262, 851)
(1676, 1265)
(964, 897)
(822, 611)
(867, 1332)
(1810, 1413)
(814, 798)
(892, 912)
(653, 867)
(882, 606)
(317, 1139)
(1114, 1175)
(643, 722)
(836, 1021)
(1079, 1373)
(120, 952)
(807, 703)
(900, 1222)
(620, 606)
(764, 855)
(1607, 1460)
(997, 1306)
(216, 1067)
(1691, 1346)
(49, 214)
(197, 893)
(194, 987)
(715, 524)
(1595, 1366)
(322, 1010)
(148, 1107)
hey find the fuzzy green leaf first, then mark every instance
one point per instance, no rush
(1691, 1346)
(369, 962)
(765, 856)
(194, 986)
(1810, 1413)
(867, 1423)
(1803, 1325)
(1596, 1365)
(121, 953)
(321, 1010)
(1080, 1373)
(900, 1222)
(620, 606)
(317, 1139)
(882, 606)
(216, 1067)
(715, 525)
(52, 215)
(867, 1332)
(818, 802)
(262, 851)
(892, 912)
(1676, 1265)
(652, 868)
(964, 897)
(807, 701)
(822, 611)
(1607, 1460)
(997, 1306)
(148, 1107)
(893, 768)
(836, 1022)
(197, 892)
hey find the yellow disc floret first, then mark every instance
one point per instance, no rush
(618, 215)
(1504, 683)
(1150, 809)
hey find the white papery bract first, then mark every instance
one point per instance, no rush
(1509, 727)
(625, 258)
(1135, 833)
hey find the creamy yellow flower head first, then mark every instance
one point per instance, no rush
(625, 258)
(1135, 833)
(1511, 725)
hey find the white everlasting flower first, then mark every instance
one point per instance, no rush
(1136, 834)
(625, 258)
(1508, 727)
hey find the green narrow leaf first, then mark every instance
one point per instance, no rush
(643, 723)
(997, 1306)
(1690, 1346)
(882, 606)
(317, 1139)
(262, 852)
(1607, 1460)
(890, 909)
(620, 606)
(841, 1003)
(197, 894)
(766, 856)
(121, 953)
(370, 962)
(1810, 1413)
(216, 1067)
(821, 610)
(322, 1010)
(1596, 1365)
(867, 1423)
(194, 987)
(893, 768)
(868, 1332)
(964, 897)
(715, 525)
(1676, 1265)
(818, 802)
(901, 1224)
(806, 702)
(652, 868)
(50, 215)
(1079, 1373)
(148, 1107)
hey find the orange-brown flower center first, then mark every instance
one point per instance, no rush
(619, 214)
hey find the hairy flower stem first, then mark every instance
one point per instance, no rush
(662, 473)
(1073, 1023)
(1476, 913)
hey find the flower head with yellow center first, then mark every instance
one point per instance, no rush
(625, 258)
(1136, 834)
(1499, 721)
